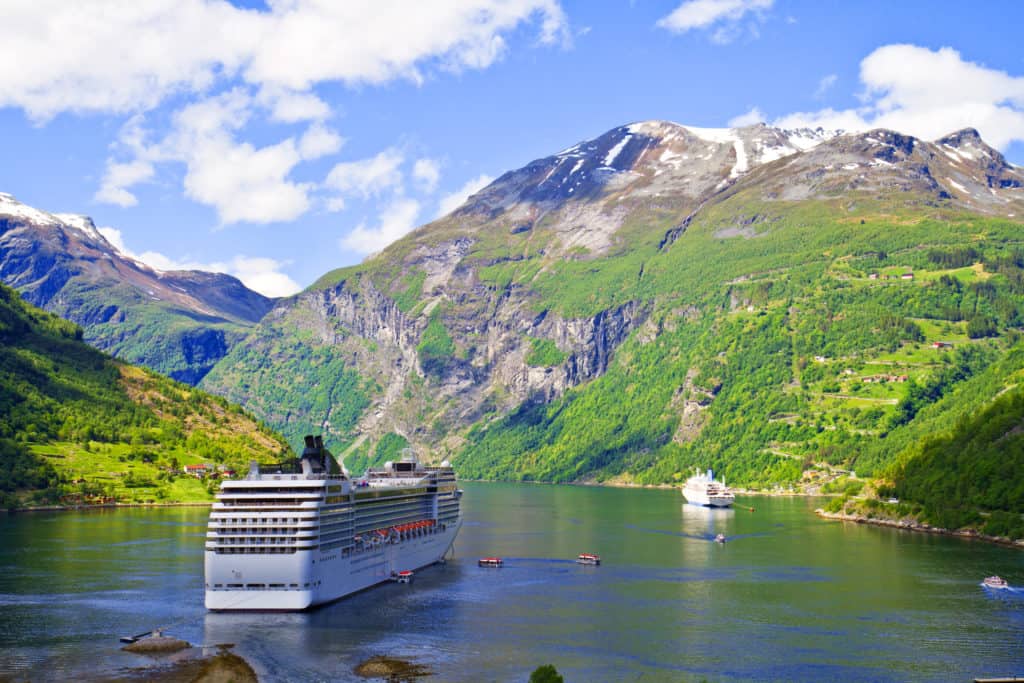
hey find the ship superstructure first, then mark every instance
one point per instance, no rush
(299, 534)
(702, 489)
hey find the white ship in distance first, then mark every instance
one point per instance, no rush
(702, 489)
(303, 533)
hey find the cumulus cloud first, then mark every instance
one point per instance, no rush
(456, 199)
(928, 93)
(120, 176)
(318, 141)
(260, 274)
(228, 65)
(367, 177)
(753, 116)
(125, 56)
(291, 107)
(427, 174)
(397, 219)
(241, 181)
(722, 15)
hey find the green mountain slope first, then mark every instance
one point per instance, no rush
(76, 425)
(178, 323)
(661, 298)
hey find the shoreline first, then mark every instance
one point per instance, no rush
(626, 485)
(618, 485)
(104, 506)
(919, 527)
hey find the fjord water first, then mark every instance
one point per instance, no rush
(788, 597)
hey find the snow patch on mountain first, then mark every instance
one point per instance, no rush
(609, 158)
(9, 206)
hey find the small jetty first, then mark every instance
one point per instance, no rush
(588, 559)
(490, 562)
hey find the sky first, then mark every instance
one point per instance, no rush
(278, 140)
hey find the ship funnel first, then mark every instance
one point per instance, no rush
(319, 441)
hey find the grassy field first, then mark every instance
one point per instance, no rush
(111, 470)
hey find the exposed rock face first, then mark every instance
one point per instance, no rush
(466, 281)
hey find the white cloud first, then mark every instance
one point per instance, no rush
(120, 176)
(825, 84)
(427, 173)
(928, 93)
(292, 107)
(258, 273)
(228, 65)
(396, 220)
(319, 141)
(114, 236)
(753, 116)
(456, 199)
(367, 177)
(242, 182)
(705, 14)
(124, 55)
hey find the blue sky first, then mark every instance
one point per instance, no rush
(279, 140)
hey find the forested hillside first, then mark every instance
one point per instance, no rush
(77, 426)
(784, 306)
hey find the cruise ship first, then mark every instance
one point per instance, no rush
(294, 535)
(702, 489)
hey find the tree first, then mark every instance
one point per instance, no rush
(546, 674)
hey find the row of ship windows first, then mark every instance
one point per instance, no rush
(257, 551)
(275, 502)
(261, 586)
(262, 540)
(233, 521)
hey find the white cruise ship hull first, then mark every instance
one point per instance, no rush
(318, 577)
(701, 498)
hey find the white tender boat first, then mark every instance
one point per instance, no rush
(702, 489)
(995, 582)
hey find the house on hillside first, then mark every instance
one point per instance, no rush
(198, 471)
(907, 276)
(942, 345)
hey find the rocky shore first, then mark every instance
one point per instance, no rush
(914, 525)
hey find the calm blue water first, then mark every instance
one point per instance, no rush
(788, 598)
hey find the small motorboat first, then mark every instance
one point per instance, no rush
(588, 558)
(404, 576)
(490, 562)
(995, 582)
(720, 538)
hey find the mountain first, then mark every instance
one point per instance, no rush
(760, 300)
(76, 424)
(178, 323)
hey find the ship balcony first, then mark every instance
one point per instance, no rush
(227, 527)
(265, 533)
(256, 544)
(264, 497)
